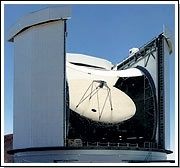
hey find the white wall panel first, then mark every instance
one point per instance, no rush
(167, 96)
(39, 86)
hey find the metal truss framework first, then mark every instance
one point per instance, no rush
(145, 52)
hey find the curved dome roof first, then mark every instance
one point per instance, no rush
(88, 60)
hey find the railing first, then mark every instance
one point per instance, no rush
(110, 144)
(145, 145)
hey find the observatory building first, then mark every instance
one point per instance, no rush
(71, 107)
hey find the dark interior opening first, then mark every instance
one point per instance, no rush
(138, 129)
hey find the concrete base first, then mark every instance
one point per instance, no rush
(88, 156)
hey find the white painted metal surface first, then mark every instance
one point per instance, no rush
(39, 80)
(89, 60)
(39, 86)
(168, 49)
(168, 112)
(39, 17)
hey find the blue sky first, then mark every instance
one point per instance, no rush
(106, 31)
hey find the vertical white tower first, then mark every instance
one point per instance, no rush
(39, 78)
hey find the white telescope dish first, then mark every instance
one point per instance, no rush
(93, 95)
